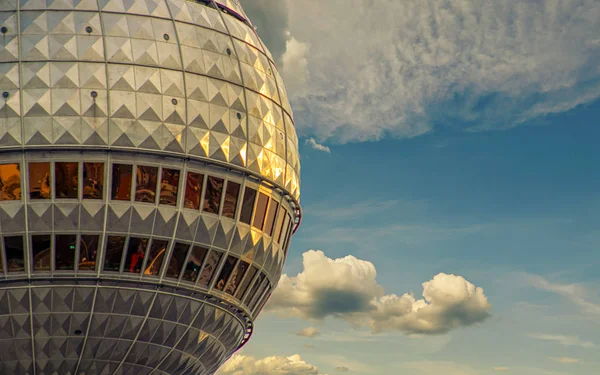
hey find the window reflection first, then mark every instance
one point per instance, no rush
(259, 295)
(88, 250)
(156, 256)
(225, 272)
(212, 197)
(254, 289)
(66, 180)
(261, 211)
(286, 243)
(212, 262)
(64, 252)
(41, 248)
(177, 259)
(93, 180)
(246, 282)
(39, 181)
(169, 184)
(232, 193)
(259, 303)
(280, 219)
(136, 251)
(10, 182)
(236, 276)
(13, 248)
(192, 268)
(121, 182)
(114, 253)
(193, 188)
(270, 223)
(145, 189)
(284, 231)
(248, 205)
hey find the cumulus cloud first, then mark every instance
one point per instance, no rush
(565, 360)
(246, 365)
(347, 289)
(317, 146)
(342, 369)
(401, 68)
(563, 340)
(271, 18)
(308, 332)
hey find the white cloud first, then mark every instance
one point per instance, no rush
(576, 293)
(439, 367)
(342, 369)
(317, 146)
(565, 360)
(500, 368)
(563, 340)
(398, 68)
(347, 289)
(308, 332)
(246, 365)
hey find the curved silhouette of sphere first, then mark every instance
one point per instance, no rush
(149, 185)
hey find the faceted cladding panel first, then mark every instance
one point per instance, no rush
(123, 328)
(171, 76)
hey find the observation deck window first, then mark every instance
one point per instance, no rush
(136, 252)
(248, 205)
(41, 247)
(243, 288)
(93, 180)
(145, 189)
(169, 186)
(40, 185)
(232, 193)
(193, 189)
(261, 211)
(88, 251)
(64, 249)
(177, 259)
(156, 255)
(10, 182)
(280, 221)
(270, 223)
(211, 264)
(236, 277)
(254, 289)
(121, 182)
(225, 272)
(13, 248)
(114, 253)
(66, 180)
(212, 196)
(194, 263)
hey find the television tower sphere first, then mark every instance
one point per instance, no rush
(149, 185)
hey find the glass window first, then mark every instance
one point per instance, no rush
(246, 282)
(263, 300)
(232, 193)
(288, 236)
(193, 188)
(114, 253)
(156, 255)
(66, 180)
(64, 252)
(177, 259)
(41, 247)
(136, 250)
(93, 180)
(285, 228)
(270, 224)
(248, 205)
(10, 182)
(212, 262)
(254, 289)
(13, 248)
(259, 295)
(225, 272)
(212, 197)
(145, 189)
(88, 250)
(280, 220)
(236, 276)
(261, 211)
(169, 183)
(121, 182)
(39, 181)
(192, 268)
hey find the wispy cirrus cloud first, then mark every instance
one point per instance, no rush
(317, 146)
(576, 293)
(564, 360)
(562, 339)
(397, 68)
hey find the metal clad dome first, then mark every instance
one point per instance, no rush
(149, 185)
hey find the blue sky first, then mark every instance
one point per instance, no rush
(494, 179)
